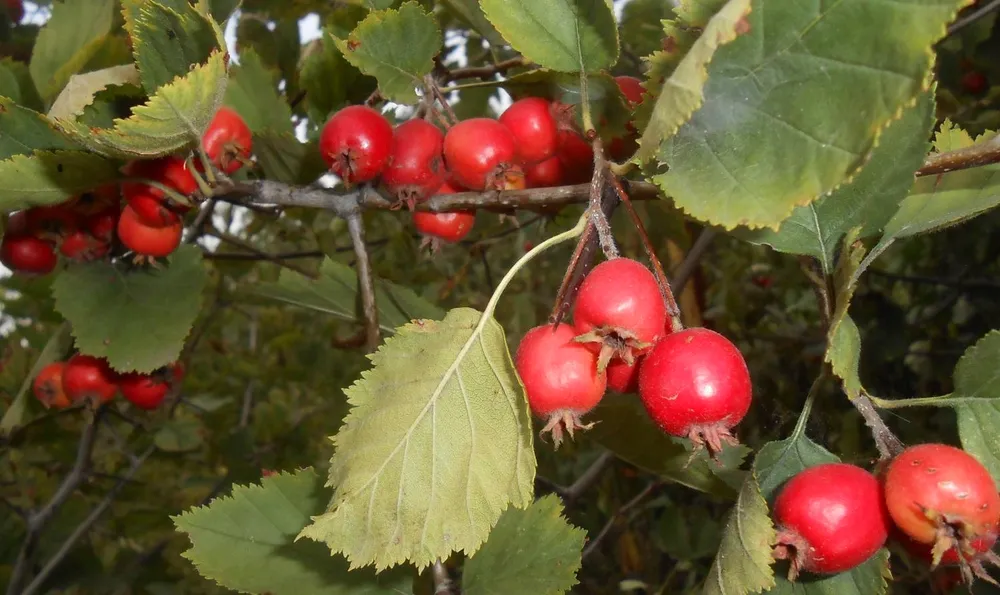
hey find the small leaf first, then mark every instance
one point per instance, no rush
(253, 93)
(328, 78)
(336, 293)
(16, 84)
(54, 350)
(137, 319)
(260, 522)
(977, 405)
(470, 12)
(437, 445)
(81, 89)
(51, 177)
(743, 564)
(564, 35)
(71, 36)
(534, 550)
(180, 435)
(779, 461)
(397, 47)
(283, 158)
(23, 131)
(843, 350)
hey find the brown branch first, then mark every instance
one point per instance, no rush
(245, 245)
(973, 16)
(280, 255)
(691, 260)
(442, 582)
(366, 280)
(621, 512)
(984, 153)
(483, 72)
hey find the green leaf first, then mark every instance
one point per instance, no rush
(397, 47)
(79, 92)
(180, 435)
(641, 25)
(253, 93)
(51, 177)
(168, 40)
(743, 564)
(174, 118)
(283, 158)
(870, 578)
(437, 444)
(137, 319)
(624, 428)
(977, 384)
(16, 84)
(327, 77)
(261, 522)
(843, 349)
(23, 131)
(869, 200)
(794, 107)
(54, 350)
(778, 461)
(607, 104)
(564, 35)
(681, 93)
(534, 550)
(68, 40)
(470, 12)
(336, 293)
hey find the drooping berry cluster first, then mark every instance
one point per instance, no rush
(84, 378)
(150, 225)
(694, 383)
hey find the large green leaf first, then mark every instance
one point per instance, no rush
(977, 394)
(335, 292)
(283, 158)
(16, 84)
(743, 563)
(470, 12)
(564, 35)
(54, 350)
(173, 118)
(870, 578)
(261, 522)
(327, 77)
(81, 89)
(534, 550)
(137, 319)
(794, 106)
(51, 177)
(253, 93)
(397, 47)
(23, 131)
(69, 39)
(437, 445)
(868, 201)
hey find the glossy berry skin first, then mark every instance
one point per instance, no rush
(80, 246)
(975, 83)
(147, 391)
(631, 88)
(52, 222)
(48, 386)
(481, 153)
(450, 227)
(149, 202)
(560, 377)
(830, 518)
(577, 157)
(623, 378)
(102, 225)
(546, 174)
(356, 143)
(147, 240)
(27, 255)
(530, 122)
(88, 377)
(228, 140)
(695, 383)
(416, 161)
(928, 486)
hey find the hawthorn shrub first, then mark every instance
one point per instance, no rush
(499, 297)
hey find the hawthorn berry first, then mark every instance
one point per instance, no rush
(830, 518)
(48, 386)
(145, 239)
(227, 141)
(977, 549)
(623, 377)
(415, 167)
(694, 383)
(560, 378)
(102, 225)
(631, 88)
(535, 133)
(451, 226)
(150, 203)
(52, 222)
(944, 498)
(82, 247)
(147, 391)
(96, 200)
(545, 174)
(89, 377)
(619, 309)
(577, 157)
(481, 153)
(356, 143)
(27, 254)
(975, 82)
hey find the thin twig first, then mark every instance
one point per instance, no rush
(983, 153)
(588, 477)
(685, 270)
(483, 72)
(366, 281)
(973, 16)
(197, 228)
(252, 257)
(621, 512)
(241, 243)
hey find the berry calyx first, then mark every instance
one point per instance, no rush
(535, 133)
(830, 518)
(145, 239)
(356, 142)
(546, 174)
(27, 255)
(228, 141)
(481, 153)
(147, 391)
(694, 383)
(415, 167)
(48, 386)
(560, 378)
(89, 378)
(620, 310)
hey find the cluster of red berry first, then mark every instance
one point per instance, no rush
(533, 144)
(151, 223)
(85, 378)
(933, 499)
(693, 382)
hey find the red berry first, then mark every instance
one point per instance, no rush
(481, 153)
(15, 10)
(534, 129)
(17, 223)
(416, 161)
(97, 200)
(631, 88)
(228, 140)
(975, 82)
(695, 383)
(546, 174)
(975, 549)
(88, 377)
(577, 157)
(146, 240)
(450, 227)
(560, 378)
(27, 255)
(147, 391)
(52, 222)
(623, 378)
(830, 518)
(82, 247)
(942, 497)
(356, 143)
(102, 225)
(152, 205)
(48, 386)
(619, 308)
